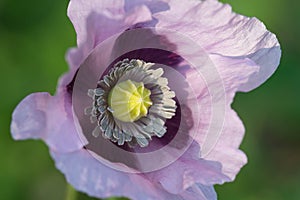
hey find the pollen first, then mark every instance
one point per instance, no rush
(129, 101)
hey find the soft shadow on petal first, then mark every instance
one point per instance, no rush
(80, 10)
(42, 116)
(231, 74)
(100, 181)
(218, 30)
(234, 72)
(268, 59)
(226, 149)
(29, 119)
(62, 135)
(94, 21)
(155, 6)
(199, 192)
(188, 170)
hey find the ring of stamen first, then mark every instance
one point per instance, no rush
(131, 103)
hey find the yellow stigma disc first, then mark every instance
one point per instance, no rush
(129, 101)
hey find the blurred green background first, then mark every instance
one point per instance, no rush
(34, 36)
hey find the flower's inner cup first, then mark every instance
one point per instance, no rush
(151, 136)
(131, 103)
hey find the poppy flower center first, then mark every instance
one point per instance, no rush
(131, 103)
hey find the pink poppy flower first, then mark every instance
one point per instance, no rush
(144, 111)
